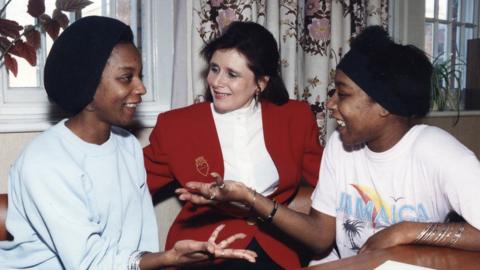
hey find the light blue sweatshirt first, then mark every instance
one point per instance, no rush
(76, 205)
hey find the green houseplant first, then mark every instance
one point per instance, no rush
(446, 83)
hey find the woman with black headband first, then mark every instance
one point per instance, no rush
(78, 197)
(383, 180)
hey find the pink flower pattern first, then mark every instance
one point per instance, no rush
(319, 29)
(215, 15)
(225, 17)
(315, 37)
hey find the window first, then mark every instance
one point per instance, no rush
(449, 24)
(24, 104)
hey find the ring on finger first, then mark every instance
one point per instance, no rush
(222, 186)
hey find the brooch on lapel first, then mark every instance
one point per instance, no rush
(202, 165)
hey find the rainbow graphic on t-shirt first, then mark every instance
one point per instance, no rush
(367, 205)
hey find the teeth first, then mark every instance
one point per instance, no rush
(341, 123)
(131, 105)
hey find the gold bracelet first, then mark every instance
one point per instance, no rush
(447, 237)
(424, 233)
(441, 235)
(457, 235)
(429, 237)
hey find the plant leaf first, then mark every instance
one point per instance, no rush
(72, 5)
(11, 64)
(44, 19)
(10, 28)
(33, 36)
(53, 28)
(4, 43)
(61, 18)
(50, 26)
(25, 51)
(36, 7)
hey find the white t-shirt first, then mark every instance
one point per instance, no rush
(424, 176)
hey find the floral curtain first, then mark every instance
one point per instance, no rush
(312, 36)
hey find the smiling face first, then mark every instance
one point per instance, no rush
(120, 89)
(231, 82)
(360, 119)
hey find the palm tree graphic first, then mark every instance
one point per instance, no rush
(353, 228)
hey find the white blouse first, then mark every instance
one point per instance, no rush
(245, 155)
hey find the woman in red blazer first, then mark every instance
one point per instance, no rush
(248, 131)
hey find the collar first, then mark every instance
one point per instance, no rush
(246, 112)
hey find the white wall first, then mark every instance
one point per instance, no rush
(11, 145)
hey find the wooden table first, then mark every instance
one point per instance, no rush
(432, 257)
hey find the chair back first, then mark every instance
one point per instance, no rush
(4, 235)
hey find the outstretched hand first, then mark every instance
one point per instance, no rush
(209, 193)
(186, 252)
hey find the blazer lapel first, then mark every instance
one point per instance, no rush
(207, 153)
(273, 134)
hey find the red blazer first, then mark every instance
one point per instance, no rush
(184, 146)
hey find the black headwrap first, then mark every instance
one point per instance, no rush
(77, 58)
(395, 76)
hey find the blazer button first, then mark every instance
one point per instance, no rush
(252, 221)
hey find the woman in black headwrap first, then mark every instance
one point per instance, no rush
(384, 181)
(77, 194)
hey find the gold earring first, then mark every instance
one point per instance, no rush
(257, 93)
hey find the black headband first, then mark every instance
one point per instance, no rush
(379, 86)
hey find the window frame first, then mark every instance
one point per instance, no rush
(455, 26)
(407, 26)
(458, 23)
(27, 109)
